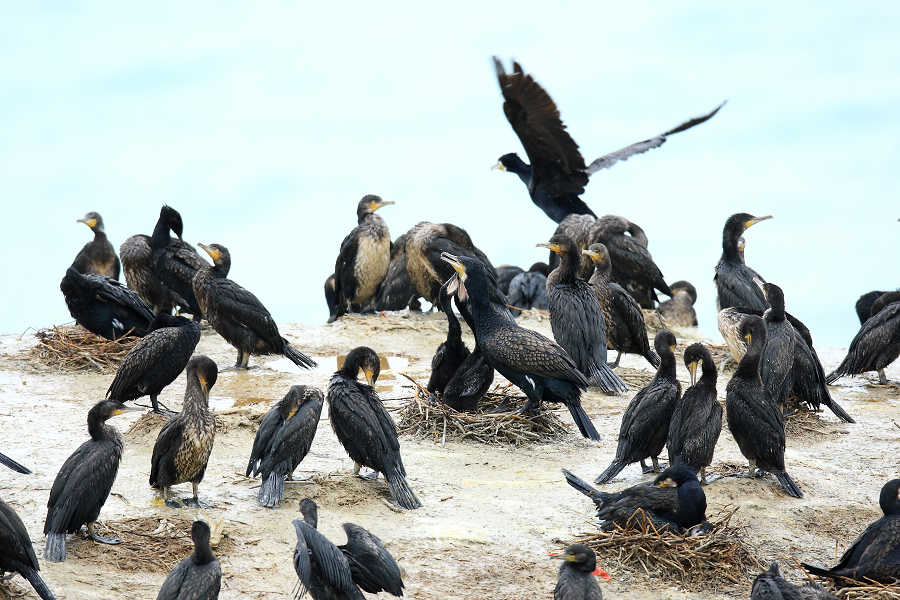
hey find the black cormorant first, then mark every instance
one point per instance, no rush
(156, 360)
(755, 421)
(528, 289)
(331, 298)
(363, 260)
(864, 305)
(396, 291)
(576, 575)
(645, 423)
(578, 229)
(364, 427)
(876, 344)
(197, 577)
(679, 311)
(770, 585)
(83, 483)
(472, 379)
(557, 174)
(104, 306)
(576, 317)
(182, 448)
(626, 331)
(734, 279)
(98, 257)
(137, 264)
(175, 262)
(537, 366)
(777, 359)
(8, 462)
(17, 553)
(697, 419)
(452, 351)
(674, 499)
(875, 554)
(505, 274)
(283, 439)
(237, 315)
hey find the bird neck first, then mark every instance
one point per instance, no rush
(160, 237)
(708, 373)
(99, 235)
(566, 271)
(203, 554)
(454, 331)
(730, 247)
(691, 503)
(749, 365)
(602, 274)
(196, 401)
(98, 429)
(666, 365)
(774, 314)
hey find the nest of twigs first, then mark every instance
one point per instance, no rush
(720, 558)
(74, 348)
(855, 590)
(806, 423)
(494, 423)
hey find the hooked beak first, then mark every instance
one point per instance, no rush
(454, 262)
(126, 409)
(213, 253)
(667, 482)
(499, 166)
(550, 246)
(595, 256)
(370, 376)
(692, 368)
(376, 205)
(751, 222)
(203, 384)
(89, 222)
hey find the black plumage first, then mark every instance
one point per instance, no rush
(576, 317)
(137, 265)
(734, 279)
(84, 481)
(396, 291)
(678, 311)
(537, 366)
(576, 575)
(777, 359)
(156, 360)
(104, 306)
(237, 315)
(755, 421)
(505, 274)
(17, 553)
(697, 419)
(876, 344)
(97, 257)
(875, 554)
(197, 577)
(451, 353)
(175, 262)
(283, 440)
(528, 289)
(472, 379)
(863, 306)
(364, 427)
(331, 298)
(578, 229)
(182, 448)
(645, 423)
(8, 462)
(626, 331)
(770, 585)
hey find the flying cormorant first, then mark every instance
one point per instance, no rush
(197, 577)
(678, 311)
(137, 264)
(104, 306)
(364, 427)
(528, 289)
(17, 553)
(777, 359)
(8, 462)
(237, 315)
(175, 262)
(876, 344)
(734, 279)
(452, 351)
(98, 257)
(576, 575)
(770, 585)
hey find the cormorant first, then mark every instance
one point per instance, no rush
(697, 419)
(755, 421)
(645, 423)
(734, 279)
(137, 264)
(864, 305)
(505, 274)
(363, 426)
(83, 483)
(197, 577)
(363, 260)
(472, 379)
(578, 229)
(537, 366)
(237, 315)
(528, 289)
(678, 311)
(576, 575)
(396, 291)
(729, 322)
(626, 331)
(175, 262)
(17, 553)
(283, 439)
(451, 353)
(674, 499)
(182, 448)
(332, 572)
(778, 354)
(576, 317)
(98, 257)
(8, 462)
(876, 344)
(331, 297)
(770, 585)
(557, 174)
(156, 360)
(875, 554)
(104, 306)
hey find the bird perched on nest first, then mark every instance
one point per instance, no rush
(876, 344)
(197, 577)
(734, 279)
(678, 311)
(17, 553)
(576, 574)
(452, 352)
(332, 572)
(770, 585)
(104, 306)
(98, 257)
(472, 379)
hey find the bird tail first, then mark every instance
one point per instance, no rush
(583, 421)
(611, 471)
(297, 357)
(839, 411)
(5, 460)
(835, 375)
(653, 358)
(401, 491)
(817, 570)
(55, 547)
(271, 491)
(585, 488)
(604, 378)
(788, 484)
(34, 578)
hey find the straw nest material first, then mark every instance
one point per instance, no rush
(74, 348)
(425, 416)
(718, 559)
(806, 423)
(855, 590)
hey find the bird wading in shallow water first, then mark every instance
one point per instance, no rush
(576, 574)
(98, 257)
(735, 280)
(17, 553)
(197, 577)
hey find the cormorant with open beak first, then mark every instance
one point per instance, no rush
(98, 257)
(576, 574)
(734, 279)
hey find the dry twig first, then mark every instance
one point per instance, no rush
(77, 349)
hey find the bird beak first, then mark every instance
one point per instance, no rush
(748, 337)
(125, 409)
(751, 222)
(89, 222)
(213, 253)
(667, 482)
(565, 557)
(376, 205)
(202, 381)
(453, 261)
(595, 256)
(550, 246)
(292, 413)
(672, 349)
(692, 367)
(499, 166)
(370, 376)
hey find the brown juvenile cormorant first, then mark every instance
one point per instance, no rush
(864, 305)
(876, 344)
(645, 423)
(17, 553)
(576, 317)
(364, 427)
(755, 421)
(237, 315)
(104, 306)
(576, 575)
(175, 262)
(557, 174)
(472, 379)
(182, 448)
(137, 264)
(452, 351)
(330, 572)
(83, 483)
(505, 274)
(396, 291)
(674, 499)
(528, 289)
(156, 360)
(770, 585)
(197, 577)
(875, 554)
(777, 359)
(283, 439)
(697, 419)
(537, 366)
(679, 311)
(363, 260)
(626, 331)
(8, 462)
(734, 279)
(98, 257)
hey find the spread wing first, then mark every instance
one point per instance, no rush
(319, 551)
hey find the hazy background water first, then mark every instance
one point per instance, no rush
(265, 124)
